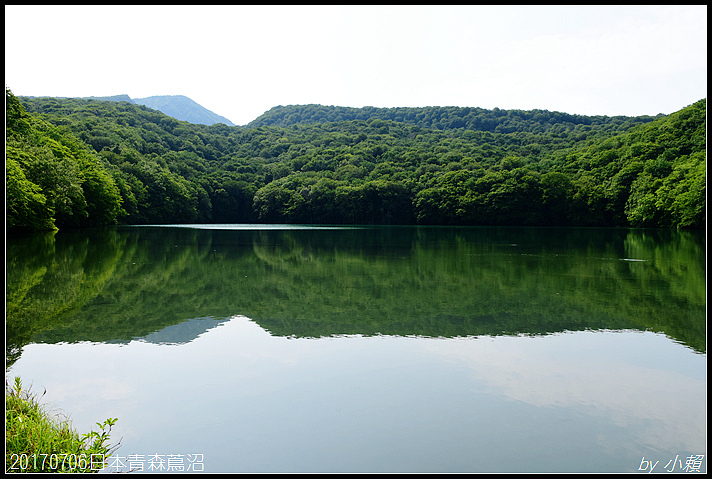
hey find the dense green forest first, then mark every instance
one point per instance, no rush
(76, 162)
(449, 118)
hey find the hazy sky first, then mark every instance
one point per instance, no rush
(240, 61)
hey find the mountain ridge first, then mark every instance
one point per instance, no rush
(179, 107)
(442, 117)
(493, 120)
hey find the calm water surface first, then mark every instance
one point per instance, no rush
(253, 348)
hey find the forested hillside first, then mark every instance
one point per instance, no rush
(451, 117)
(326, 165)
(52, 178)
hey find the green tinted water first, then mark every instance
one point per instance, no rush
(370, 349)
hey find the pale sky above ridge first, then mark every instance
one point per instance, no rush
(240, 61)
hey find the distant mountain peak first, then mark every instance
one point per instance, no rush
(183, 108)
(179, 107)
(123, 97)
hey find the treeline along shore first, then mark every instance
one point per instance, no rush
(85, 162)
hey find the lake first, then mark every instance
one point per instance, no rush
(277, 348)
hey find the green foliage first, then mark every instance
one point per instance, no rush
(654, 175)
(39, 441)
(52, 178)
(316, 164)
(449, 118)
(26, 205)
